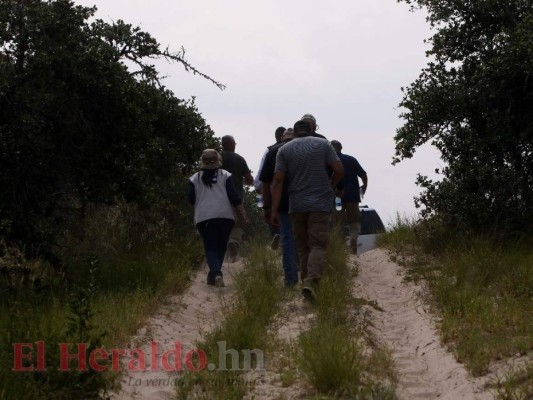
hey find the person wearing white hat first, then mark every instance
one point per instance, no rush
(213, 194)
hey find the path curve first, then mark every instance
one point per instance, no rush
(425, 369)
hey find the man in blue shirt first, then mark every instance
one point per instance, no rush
(351, 194)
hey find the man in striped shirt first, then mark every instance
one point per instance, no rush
(304, 163)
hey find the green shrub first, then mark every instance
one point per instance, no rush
(115, 275)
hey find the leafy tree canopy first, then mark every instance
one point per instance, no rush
(77, 126)
(474, 102)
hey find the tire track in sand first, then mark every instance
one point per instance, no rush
(183, 319)
(425, 369)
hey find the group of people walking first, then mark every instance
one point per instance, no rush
(299, 177)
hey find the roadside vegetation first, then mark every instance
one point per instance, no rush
(482, 289)
(123, 263)
(94, 227)
(472, 102)
(117, 278)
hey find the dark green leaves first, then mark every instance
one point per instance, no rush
(77, 126)
(474, 102)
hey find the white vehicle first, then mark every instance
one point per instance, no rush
(371, 226)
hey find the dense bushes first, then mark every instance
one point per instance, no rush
(94, 152)
(474, 102)
(78, 128)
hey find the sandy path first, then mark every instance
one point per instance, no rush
(425, 369)
(182, 320)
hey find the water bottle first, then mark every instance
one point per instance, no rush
(259, 201)
(338, 203)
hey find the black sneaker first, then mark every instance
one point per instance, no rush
(309, 293)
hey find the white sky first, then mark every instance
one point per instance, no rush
(343, 61)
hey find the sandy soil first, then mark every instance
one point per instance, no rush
(268, 384)
(183, 319)
(425, 369)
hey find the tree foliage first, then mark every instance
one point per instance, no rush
(474, 102)
(77, 125)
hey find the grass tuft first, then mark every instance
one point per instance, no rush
(122, 262)
(515, 385)
(331, 351)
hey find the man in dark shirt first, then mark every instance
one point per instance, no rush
(274, 231)
(236, 165)
(289, 261)
(351, 194)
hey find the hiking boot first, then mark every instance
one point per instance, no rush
(309, 294)
(274, 245)
(308, 291)
(219, 281)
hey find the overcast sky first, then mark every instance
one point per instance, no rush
(343, 61)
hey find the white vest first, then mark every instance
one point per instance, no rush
(211, 202)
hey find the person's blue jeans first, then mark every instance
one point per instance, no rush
(215, 235)
(290, 263)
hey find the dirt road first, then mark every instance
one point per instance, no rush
(425, 369)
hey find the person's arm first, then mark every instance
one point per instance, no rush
(364, 178)
(266, 193)
(361, 173)
(191, 193)
(277, 187)
(257, 182)
(233, 196)
(338, 173)
(266, 177)
(236, 200)
(248, 179)
(247, 173)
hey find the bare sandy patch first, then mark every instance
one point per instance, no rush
(182, 320)
(425, 369)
